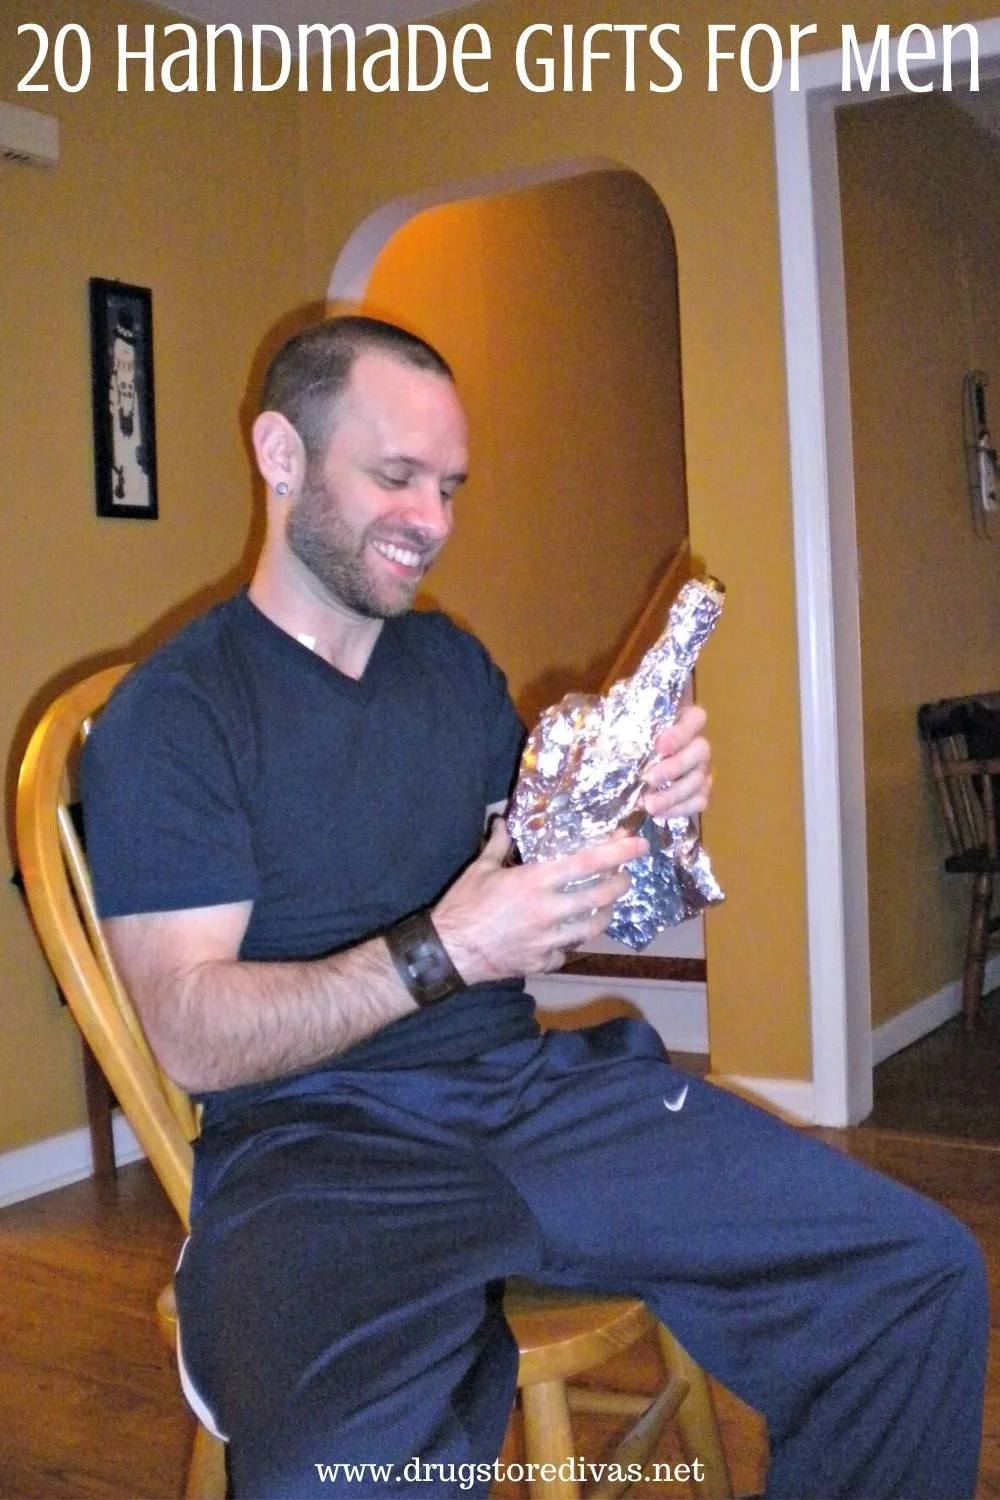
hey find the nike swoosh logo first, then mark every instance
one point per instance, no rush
(675, 1104)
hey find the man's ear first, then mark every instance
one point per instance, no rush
(279, 452)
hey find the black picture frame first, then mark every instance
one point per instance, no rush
(121, 360)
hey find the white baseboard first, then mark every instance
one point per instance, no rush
(927, 1015)
(54, 1163)
(679, 1012)
(795, 1100)
(792, 1098)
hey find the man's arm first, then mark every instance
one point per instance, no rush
(216, 1021)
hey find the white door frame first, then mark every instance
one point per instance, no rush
(826, 569)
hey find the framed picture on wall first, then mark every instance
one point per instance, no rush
(121, 355)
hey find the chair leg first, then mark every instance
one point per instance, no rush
(99, 1101)
(975, 951)
(548, 1437)
(696, 1422)
(639, 1442)
(206, 1476)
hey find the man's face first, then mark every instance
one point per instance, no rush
(123, 376)
(376, 510)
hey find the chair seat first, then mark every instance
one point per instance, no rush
(972, 862)
(559, 1334)
(166, 1315)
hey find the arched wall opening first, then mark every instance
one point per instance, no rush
(556, 303)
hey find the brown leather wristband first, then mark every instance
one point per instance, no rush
(421, 959)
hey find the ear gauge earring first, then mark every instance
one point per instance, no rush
(281, 489)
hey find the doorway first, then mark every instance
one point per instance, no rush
(826, 561)
(556, 302)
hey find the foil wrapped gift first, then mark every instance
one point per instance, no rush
(581, 777)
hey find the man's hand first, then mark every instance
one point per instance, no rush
(678, 776)
(498, 921)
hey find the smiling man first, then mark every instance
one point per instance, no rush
(285, 808)
(374, 506)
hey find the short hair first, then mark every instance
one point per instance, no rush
(309, 373)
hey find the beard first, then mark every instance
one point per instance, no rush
(335, 553)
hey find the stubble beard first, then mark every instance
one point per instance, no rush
(318, 535)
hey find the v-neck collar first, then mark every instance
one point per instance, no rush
(306, 659)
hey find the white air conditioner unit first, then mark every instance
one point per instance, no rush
(28, 138)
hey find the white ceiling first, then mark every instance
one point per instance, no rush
(290, 14)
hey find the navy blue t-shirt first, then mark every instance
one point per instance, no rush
(237, 765)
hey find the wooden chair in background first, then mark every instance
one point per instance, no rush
(965, 771)
(560, 1336)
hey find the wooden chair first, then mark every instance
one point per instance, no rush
(560, 1336)
(957, 734)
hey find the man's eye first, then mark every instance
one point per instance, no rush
(393, 481)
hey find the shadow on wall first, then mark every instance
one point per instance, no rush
(553, 683)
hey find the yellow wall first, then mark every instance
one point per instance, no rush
(921, 200)
(192, 196)
(557, 309)
(710, 160)
(235, 209)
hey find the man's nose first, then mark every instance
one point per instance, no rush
(429, 510)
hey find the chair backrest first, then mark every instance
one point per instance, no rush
(58, 888)
(962, 740)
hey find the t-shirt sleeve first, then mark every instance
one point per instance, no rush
(506, 739)
(164, 821)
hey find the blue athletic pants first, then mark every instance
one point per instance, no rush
(340, 1296)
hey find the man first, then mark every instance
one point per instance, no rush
(129, 479)
(284, 810)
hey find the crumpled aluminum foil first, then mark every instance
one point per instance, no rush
(581, 777)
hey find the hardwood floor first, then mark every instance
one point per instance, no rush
(89, 1402)
(946, 1083)
(965, 1177)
